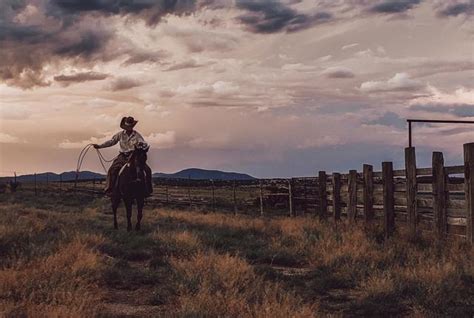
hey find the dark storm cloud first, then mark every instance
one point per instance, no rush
(80, 77)
(457, 8)
(72, 31)
(394, 6)
(270, 16)
(151, 11)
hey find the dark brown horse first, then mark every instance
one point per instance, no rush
(131, 187)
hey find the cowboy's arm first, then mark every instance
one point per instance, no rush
(109, 143)
(139, 139)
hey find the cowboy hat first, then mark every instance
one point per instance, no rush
(128, 122)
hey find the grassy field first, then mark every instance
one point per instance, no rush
(60, 257)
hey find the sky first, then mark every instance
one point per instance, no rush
(267, 87)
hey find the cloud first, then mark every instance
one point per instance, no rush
(124, 83)
(8, 139)
(459, 110)
(67, 144)
(393, 6)
(217, 88)
(19, 112)
(264, 16)
(162, 140)
(184, 65)
(399, 82)
(433, 67)
(455, 8)
(325, 58)
(40, 38)
(338, 72)
(80, 77)
(390, 119)
(461, 95)
(137, 57)
(35, 34)
(198, 40)
(299, 67)
(349, 46)
(152, 11)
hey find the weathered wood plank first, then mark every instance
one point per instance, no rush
(454, 170)
(399, 173)
(388, 199)
(336, 201)
(469, 189)
(323, 203)
(290, 197)
(424, 171)
(352, 206)
(411, 188)
(368, 192)
(439, 195)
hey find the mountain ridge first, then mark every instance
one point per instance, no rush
(189, 173)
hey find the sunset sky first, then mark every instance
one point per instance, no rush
(266, 87)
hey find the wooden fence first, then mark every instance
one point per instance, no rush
(438, 198)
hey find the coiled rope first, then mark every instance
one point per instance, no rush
(83, 154)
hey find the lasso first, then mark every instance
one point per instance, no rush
(82, 155)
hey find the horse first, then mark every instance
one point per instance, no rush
(130, 187)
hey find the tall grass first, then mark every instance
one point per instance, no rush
(55, 263)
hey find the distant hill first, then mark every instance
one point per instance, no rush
(51, 176)
(203, 174)
(192, 173)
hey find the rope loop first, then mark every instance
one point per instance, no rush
(83, 154)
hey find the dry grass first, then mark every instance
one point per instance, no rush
(60, 264)
(215, 285)
(395, 276)
(44, 272)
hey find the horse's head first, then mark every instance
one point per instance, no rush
(139, 155)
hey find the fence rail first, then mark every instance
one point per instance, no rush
(438, 198)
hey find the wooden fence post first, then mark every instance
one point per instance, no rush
(189, 191)
(323, 200)
(305, 196)
(235, 197)
(336, 196)
(352, 208)
(290, 196)
(388, 199)
(469, 189)
(439, 195)
(411, 189)
(261, 197)
(368, 192)
(213, 197)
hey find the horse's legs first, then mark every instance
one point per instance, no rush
(128, 207)
(140, 203)
(115, 204)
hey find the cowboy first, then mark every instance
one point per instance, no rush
(128, 138)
